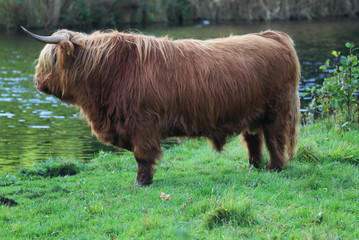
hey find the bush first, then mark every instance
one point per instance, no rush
(337, 98)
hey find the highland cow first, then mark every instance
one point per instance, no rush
(137, 90)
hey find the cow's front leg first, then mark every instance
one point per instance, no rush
(146, 153)
(144, 173)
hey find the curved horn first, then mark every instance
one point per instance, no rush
(55, 39)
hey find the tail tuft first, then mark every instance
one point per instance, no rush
(294, 126)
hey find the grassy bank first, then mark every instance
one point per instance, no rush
(107, 13)
(213, 195)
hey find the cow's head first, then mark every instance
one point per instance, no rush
(53, 69)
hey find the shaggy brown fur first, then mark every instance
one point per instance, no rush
(136, 90)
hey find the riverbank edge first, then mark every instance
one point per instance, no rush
(106, 14)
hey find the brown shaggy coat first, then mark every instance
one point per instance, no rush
(136, 90)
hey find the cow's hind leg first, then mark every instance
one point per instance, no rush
(255, 148)
(275, 135)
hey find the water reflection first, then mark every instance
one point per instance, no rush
(35, 126)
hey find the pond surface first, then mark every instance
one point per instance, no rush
(34, 126)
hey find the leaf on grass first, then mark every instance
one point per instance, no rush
(165, 196)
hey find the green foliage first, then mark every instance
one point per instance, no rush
(337, 98)
(94, 208)
(10, 13)
(322, 142)
(346, 152)
(179, 12)
(7, 180)
(88, 14)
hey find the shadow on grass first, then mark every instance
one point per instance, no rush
(7, 202)
(53, 168)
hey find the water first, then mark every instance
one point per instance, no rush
(34, 126)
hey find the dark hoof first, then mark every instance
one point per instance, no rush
(144, 173)
(275, 168)
(255, 162)
(142, 183)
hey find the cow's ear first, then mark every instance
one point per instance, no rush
(65, 52)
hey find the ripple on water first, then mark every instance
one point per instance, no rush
(38, 126)
(15, 79)
(6, 114)
(7, 99)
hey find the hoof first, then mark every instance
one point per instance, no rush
(142, 183)
(257, 163)
(275, 168)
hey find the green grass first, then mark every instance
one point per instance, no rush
(213, 195)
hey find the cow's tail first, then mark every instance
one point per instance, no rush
(295, 111)
(293, 126)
